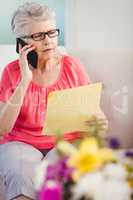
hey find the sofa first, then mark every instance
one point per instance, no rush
(112, 67)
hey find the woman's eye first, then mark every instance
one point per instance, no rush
(38, 35)
(52, 32)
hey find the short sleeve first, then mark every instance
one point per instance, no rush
(81, 73)
(6, 89)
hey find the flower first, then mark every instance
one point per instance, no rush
(114, 143)
(129, 153)
(87, 185)
(59, 171)
(89, 157)
(99, 185)
(51, 190)
(92, 170)
(115, 170)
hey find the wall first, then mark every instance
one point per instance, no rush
(9, 6)
(99, 24)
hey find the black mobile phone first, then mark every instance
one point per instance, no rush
(32, 56)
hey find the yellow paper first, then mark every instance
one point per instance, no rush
(68, 109)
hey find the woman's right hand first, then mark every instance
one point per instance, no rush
(26, 69)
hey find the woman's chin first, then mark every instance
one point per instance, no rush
(48, 54)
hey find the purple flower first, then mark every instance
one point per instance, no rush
(129, 153)
(64, 171)
(51, 191)
(52, 172)
(59, 171)
(114, 143)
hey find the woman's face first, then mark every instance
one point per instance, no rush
(45, 48)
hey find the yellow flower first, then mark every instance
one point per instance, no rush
(89, 145)
(88, 158)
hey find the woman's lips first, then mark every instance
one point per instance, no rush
(46, 50)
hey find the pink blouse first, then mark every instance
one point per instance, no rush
(29, 124)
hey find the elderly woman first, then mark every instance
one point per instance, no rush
(23, 97)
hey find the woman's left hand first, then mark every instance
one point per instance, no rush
(100, 122)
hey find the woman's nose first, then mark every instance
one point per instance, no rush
(47, 38)
(46, 41)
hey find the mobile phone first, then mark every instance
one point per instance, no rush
(32, 56)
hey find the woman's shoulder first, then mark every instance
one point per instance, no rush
(76, 70)
(11, 72)
(70, 59)
(73, 63)
(12, 66)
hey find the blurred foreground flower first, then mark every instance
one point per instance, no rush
(89, 170)
(89, 157)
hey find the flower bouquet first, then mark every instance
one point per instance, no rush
(94, 168)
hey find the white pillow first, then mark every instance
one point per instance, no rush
(8, 54)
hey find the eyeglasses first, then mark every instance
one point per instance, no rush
(42, 35)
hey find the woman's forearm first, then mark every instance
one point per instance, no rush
(11, 109)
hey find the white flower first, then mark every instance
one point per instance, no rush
(109, 184)
(114, 185)
(87, 185)
(116, 171)
(112, 189)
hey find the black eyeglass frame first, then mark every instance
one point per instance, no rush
(43, 33)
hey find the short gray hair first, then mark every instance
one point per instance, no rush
(27, 13)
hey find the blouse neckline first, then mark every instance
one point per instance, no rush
(55, 82)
